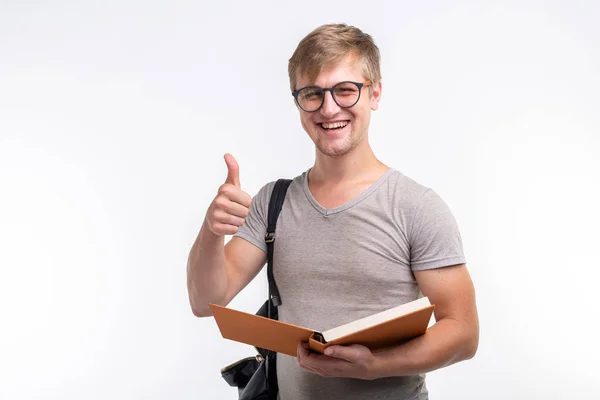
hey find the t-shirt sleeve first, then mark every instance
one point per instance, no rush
(255, 226)
(435, 239)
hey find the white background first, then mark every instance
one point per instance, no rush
(114, 118)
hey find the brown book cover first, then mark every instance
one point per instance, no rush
(259, 331)
(377, 332)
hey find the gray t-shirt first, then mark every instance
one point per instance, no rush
(333, 266)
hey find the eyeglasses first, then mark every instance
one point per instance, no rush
(345, 94)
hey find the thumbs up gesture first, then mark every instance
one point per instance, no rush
(231, 206)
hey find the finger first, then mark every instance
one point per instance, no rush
(228, 219)
(237, 210)
(320, 364)
(303, 353)
(302, 356)
(237, 196)
(224, 229)
(347, 353)
(311, 359)
(302, 350)
(233, 171)
(231, 207)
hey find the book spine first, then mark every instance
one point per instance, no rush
(316, 343)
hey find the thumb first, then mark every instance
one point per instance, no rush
(350, 353)
(233, 171)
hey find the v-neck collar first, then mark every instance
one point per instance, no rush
(329, 211)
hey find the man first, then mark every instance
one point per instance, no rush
(354, 237)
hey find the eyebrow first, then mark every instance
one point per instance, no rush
(314, 84)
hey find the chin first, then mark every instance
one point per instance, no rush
(335, 151)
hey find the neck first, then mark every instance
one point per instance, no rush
(358, 164)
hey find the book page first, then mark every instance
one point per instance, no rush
(375, 319)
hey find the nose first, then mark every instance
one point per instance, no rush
(330, 107)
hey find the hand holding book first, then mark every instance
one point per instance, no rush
(354, 361)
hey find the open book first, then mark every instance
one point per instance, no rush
(377, 331)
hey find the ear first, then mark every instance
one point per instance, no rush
(376, 96)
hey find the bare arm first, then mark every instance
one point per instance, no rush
(216, 273)
(453, 338)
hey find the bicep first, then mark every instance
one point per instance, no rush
(244, 262)
(451, 290)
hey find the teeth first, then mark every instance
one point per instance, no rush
(334, 125)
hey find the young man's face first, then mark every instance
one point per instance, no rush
(336, 130)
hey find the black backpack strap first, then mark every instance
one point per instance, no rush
(275, 204)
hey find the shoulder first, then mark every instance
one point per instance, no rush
(413, 203)
(405, 192)
(297, 184)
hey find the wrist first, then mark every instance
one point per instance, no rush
(375, 370)
(208, 232)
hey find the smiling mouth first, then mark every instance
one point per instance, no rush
(332, 126)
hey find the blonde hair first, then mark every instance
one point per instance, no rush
(328, 45)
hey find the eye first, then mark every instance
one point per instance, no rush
(346, 89)
(310, 94)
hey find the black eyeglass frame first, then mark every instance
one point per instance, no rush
(323, 90)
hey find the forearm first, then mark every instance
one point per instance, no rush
(445, 343)
(206, 271)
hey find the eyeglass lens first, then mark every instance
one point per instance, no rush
(345, 94)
